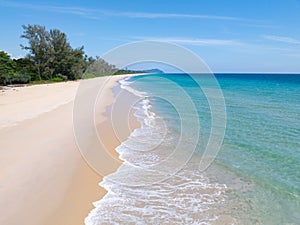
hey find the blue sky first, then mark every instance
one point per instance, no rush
(230, 36)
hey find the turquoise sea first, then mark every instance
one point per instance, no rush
(255, 177)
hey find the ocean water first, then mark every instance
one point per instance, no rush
(255, 177)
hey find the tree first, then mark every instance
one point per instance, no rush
(100, 67)
(7, 68)
(52, 54)
(38, 39)
(60, 51)
(77, 63)
(14, 71)
(26, 70)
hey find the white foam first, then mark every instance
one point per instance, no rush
(124, 84)
(149, 120)
(185, 198)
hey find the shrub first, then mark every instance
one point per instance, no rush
(63, 77)
(5, 79)
(57, 79)
(21, 78)
(89, 75)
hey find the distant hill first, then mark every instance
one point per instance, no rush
(154, 71)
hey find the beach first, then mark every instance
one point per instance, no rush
(43, 178)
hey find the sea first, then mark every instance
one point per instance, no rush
(173, 173)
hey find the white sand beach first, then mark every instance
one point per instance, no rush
(43, 177)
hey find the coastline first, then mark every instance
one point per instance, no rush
(48, 182)
(96, 192)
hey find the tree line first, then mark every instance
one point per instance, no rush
(50, 57)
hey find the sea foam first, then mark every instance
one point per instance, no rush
(184, 197)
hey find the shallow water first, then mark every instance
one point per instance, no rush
(255, 178)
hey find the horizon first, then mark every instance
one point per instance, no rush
(252, 37)
(279, 73)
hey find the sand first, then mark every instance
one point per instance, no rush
(43, 177)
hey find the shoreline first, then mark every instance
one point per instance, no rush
(48, 182)
(112, 142)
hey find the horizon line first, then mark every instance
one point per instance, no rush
(297, 73)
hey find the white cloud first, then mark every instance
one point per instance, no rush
(193, 41)
(173, 15)
(293, 55)
(98, 14)
(288, 40)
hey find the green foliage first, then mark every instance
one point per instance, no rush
(52, 54)
(38, 47)
(7, 66)
(51, 59)
(14, 71)
(21, 78)
(57, 79)
(26, 68)
(100, 67)
(120, 72)
(62, 77)
(5, 79)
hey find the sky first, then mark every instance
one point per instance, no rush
(229, 36)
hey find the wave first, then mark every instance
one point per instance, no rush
(188, 197)
(125, 84)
